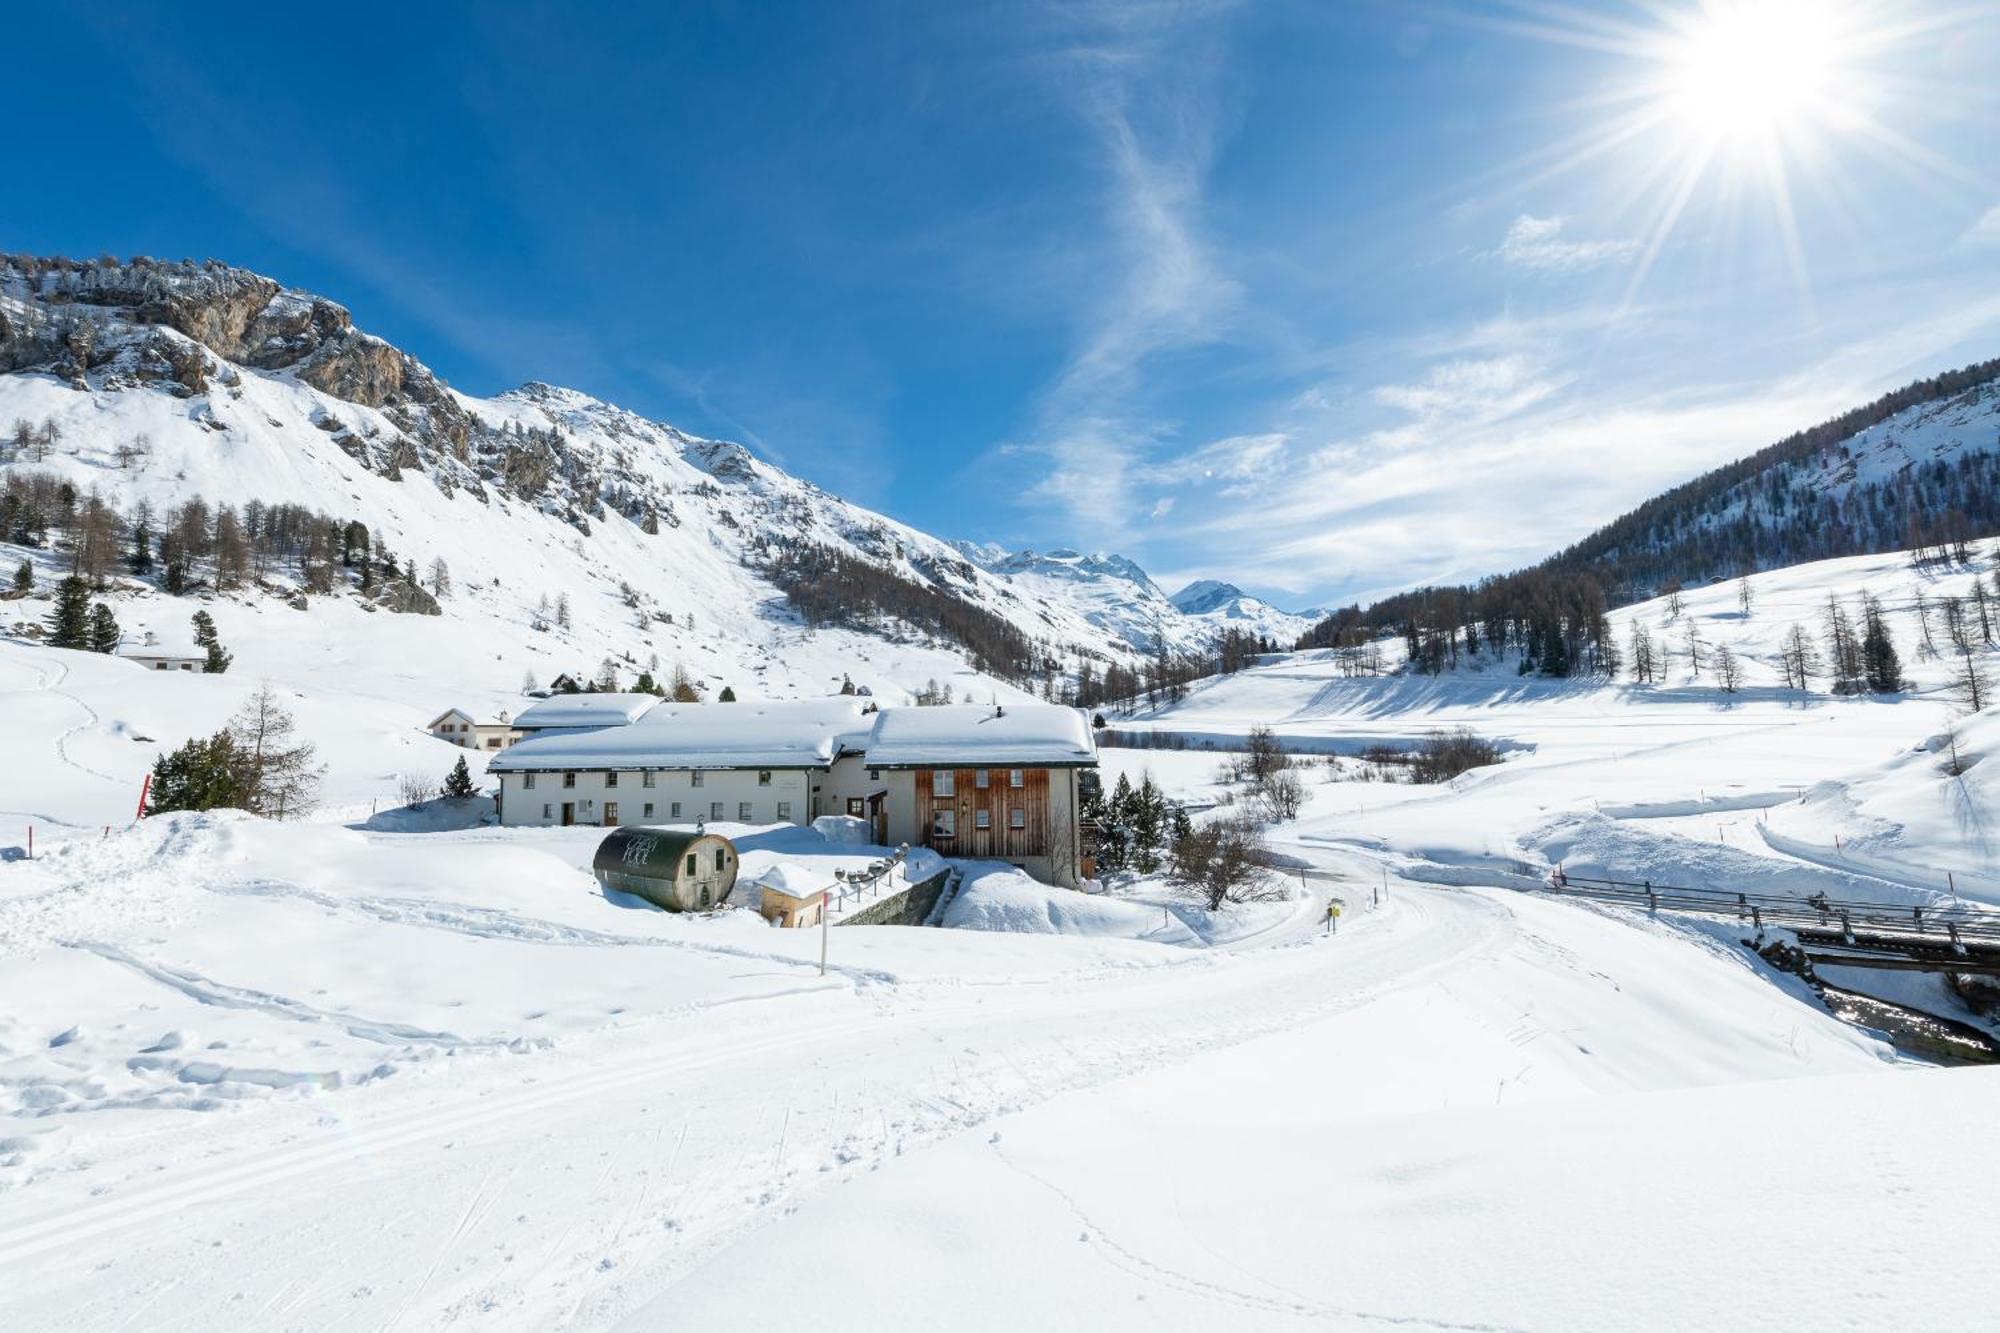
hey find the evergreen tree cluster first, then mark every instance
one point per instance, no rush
(828, 586)
(255, 763)
(1761, 512)
(195, 542)
(1133, 826)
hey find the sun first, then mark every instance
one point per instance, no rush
(1747, 70)
(1751, 116)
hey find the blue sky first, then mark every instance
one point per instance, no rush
(1310, 296)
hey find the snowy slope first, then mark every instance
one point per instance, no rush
(233, 389)
(1677, 781)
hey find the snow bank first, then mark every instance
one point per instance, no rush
(1000, 897)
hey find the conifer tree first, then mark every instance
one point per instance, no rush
(24, 579)
(458, 782)
(69, 622)
(104, 633)
(218, 658)
(200, 775)
(1881, 666)
(728, 695)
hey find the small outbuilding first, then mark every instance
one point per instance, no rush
(791, 896)
(681, 870)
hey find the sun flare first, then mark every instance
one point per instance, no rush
(1754, 68)
(1738, 114)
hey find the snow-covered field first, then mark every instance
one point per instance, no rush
(366, 1072)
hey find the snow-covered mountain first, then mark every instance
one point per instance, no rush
(1229, 607)
(1919, 466)
(1110, 592)
(161, 383)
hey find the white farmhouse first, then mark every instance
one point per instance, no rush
(997, 783)
(750, 763)
(460, 728)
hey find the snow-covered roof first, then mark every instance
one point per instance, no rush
(793, 880)
(1016, 735)
(175, 651)
(585, 710)
(718, 735)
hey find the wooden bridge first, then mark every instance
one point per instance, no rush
(1833, 932)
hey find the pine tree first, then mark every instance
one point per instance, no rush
(728, 695)
(24, 579)
(201, 775)
(1881, 666)
(562, 610)
(104, 633)
(458, 782)
(69, 622)
(219, 658)
(1148, 821)
(140, 561)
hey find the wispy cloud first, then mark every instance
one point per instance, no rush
(1986, 231)
(1538, 244)
(1144, 82)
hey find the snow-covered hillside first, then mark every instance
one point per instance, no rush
(1764, 788)
(161, 383)
(1918, 466)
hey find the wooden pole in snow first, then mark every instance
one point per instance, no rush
(825, 924)
(145, 790)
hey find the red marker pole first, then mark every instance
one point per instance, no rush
(145, 790)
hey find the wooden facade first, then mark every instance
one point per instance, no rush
(1002, 835)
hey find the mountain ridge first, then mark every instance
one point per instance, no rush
(151, 373)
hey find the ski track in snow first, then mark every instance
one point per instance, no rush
(1000, 1052)
(204, 990)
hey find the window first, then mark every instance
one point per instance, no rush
(1018, 818)
(527, 782)
(646, 779)
(611, 812)
(874, 775)
(569, 780)
(763, 777)
(674, 810)
(649, 809)
(715, 810)
(743, 811)
(721, 859)
(1014, 776)
(982, 820)
(492, 742)
(941, 782)
(944, 823)
(979, 779)
(548, 811)
(855, 806)
(690, 863)
(610, 779)
(784, 810)
(694, 778)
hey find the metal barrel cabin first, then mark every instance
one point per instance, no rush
(681, 870)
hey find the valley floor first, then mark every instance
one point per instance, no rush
(348, 1076)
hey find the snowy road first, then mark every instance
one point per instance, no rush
(575, 1182)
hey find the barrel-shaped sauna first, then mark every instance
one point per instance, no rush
(678, 869)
